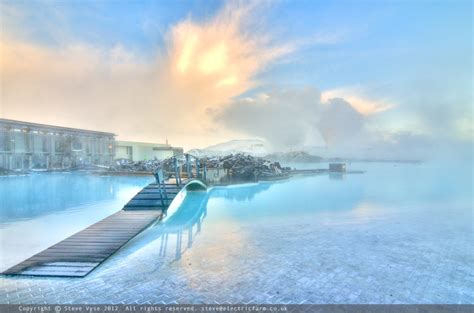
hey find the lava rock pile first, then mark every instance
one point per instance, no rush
(125, 165)
(237, 166)
(245, 167)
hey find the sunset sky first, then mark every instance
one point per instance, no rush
(295, 73)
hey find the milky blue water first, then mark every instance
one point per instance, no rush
(39, 210)
(398, 233)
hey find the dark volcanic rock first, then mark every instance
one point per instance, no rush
(245, 167)
(125, 165)
(238, 166)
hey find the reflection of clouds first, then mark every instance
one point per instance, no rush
(366, 211)
(168, 241)
(244, 192)
(39, 210)
(176, 232)
(220, 257)
(40, 194)
(185, 223)
(299, 195)
(310, 219)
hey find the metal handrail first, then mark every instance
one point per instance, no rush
(177, 171)
(201, 171)
(160, 181)
(159, 174)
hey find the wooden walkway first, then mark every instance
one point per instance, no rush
(82, 252)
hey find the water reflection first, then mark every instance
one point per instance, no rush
(40, 210)
(177, 231)
(383, 191)
(283, 200)
(41, 194)
(186, 221)
(336, 176)
(244, 192)
(229, 205)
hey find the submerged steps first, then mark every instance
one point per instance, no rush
(79, 254)
(151, 198)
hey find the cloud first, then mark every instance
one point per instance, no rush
(203, 65)
(191, 91)
(293, 118)
(339, 122)
(359, 100)
(300, 118)
(222, 57)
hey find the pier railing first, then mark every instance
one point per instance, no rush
(188, 167)
(160, 181)
(194, 163)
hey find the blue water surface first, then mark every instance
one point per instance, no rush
(41, 209)
(398, 233)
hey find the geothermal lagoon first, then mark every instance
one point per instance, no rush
(399, 233)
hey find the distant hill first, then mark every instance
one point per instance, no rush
(254, 147)
(294, 157)
(257, 148)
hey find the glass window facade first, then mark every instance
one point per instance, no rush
(25, 146)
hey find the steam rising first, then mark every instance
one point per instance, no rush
(191, 91)
(294, 118)
(80, 85)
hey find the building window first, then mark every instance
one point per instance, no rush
(59, 145)
(76, 145)
(5, 141)
(45, 144)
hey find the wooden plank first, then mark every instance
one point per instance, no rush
(173, 187)
(151, 196)
(156, 189)
(134, 208)
(153, 185)
(104, 232)
(152, 192)
(147, 202)
(80, 253)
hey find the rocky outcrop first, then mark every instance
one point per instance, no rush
(246, 167)
(241, 167)
(125, 165)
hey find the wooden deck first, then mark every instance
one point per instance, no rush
(82, 252)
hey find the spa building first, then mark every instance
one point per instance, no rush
(26, 146)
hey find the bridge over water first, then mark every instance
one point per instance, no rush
(79, 254)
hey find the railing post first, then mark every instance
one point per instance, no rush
(188, 167)
(160, 181)
(179, 170)
(198, 174)
(176, 171)
(164, 190)
(204, 172)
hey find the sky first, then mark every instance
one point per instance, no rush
(366, 78)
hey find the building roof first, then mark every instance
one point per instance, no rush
(151, 144)
(27, 125)
(163, 146)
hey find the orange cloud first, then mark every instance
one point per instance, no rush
(221, 55)
(80, 85)
(360, 102)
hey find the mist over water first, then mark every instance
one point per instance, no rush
(211, 80)
(39, 210)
